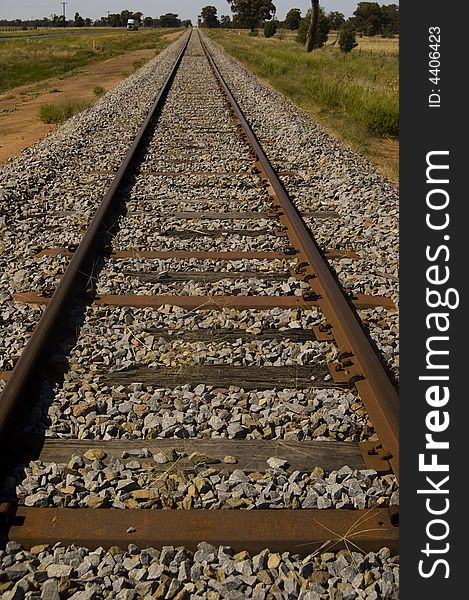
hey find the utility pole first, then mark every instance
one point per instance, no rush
(63, 12)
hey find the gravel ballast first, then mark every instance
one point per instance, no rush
(213, 573)
(49, 195)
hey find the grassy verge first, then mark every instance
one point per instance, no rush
(18, 32)
(29, 60)
(59, 113)
(355, 96)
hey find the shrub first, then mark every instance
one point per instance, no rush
(99, 90)
(138, 63)
(270, 29)
(58, 113)
(381, 119)
(347, 40)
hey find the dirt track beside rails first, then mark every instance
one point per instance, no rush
(20, 126)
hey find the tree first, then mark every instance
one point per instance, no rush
(252, 13)
(322, 29)
(225, 21)
(347, 38)
(170, 20)
(148, 22)
(114, 20)
(209, 17)
(390, 20)
(78, 21)
(124, 17)
(293, 19)
(270, 29)
(336, 19)
(313, 25)
(368, 18)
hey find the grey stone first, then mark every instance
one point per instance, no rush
(126, 485)
(17, 593)
(349, 594)
(17, 571)
(160, 458)
(236, 431)
(85, 595)
(196, 572)
(205, 552)
(13, 547)
(174, 587)
(127, 594)
(324, 502)
(184, 572)
(129, 564)
(277, 463)
(233, 582)
(37, 499)
(259, 561)
(167, 555)
(138, 574)
(244, 567)
(309, 595)
(57, 570)
(50, 590)
(384, 554)
(156, 570)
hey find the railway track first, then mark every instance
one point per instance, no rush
(143, 384)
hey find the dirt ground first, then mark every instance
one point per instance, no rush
(20, 126)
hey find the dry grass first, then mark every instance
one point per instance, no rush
(355, 97)
(378, 45)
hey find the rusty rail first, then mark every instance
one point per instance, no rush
(359, 361)
(14, 397)
(294, 530)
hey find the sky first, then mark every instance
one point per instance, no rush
(187, 9)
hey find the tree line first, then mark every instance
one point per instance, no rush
(111, 20)
(369, 18)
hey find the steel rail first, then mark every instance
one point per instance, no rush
(12, 397)
(362, 364)
(252, 530)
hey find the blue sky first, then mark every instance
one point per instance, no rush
(188, 9)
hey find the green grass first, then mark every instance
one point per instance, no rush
(354, 96)
(58, 113)
(99, 90)
(29, 60)
(138, 63)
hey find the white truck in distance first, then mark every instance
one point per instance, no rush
(132, 24)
